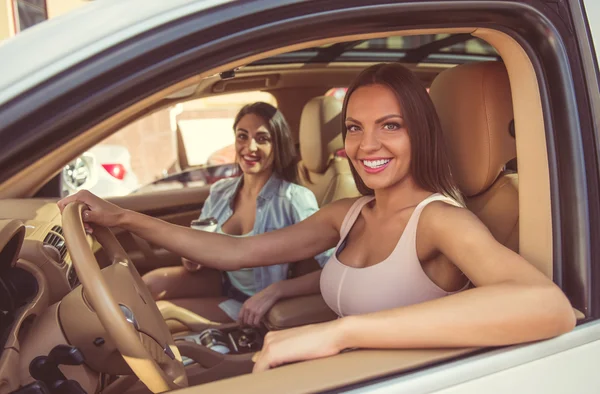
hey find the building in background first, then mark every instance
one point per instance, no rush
(18, 15)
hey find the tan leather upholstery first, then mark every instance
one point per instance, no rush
(328, 177)
(204, 307)
(498, 209)
(475, 109)
(334, 184)
(535, 212)
(320, 132)
(298, 311)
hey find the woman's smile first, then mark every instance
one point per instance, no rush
(377, 141)
(254, 145)
(251, 160)
(375, 165)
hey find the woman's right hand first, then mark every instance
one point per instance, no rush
(99, 211)
(190, 265)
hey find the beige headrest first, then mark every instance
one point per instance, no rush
(474, 104)
(320, 132)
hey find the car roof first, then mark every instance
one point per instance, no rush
(49, 48)
(55, 45)
(413, 49)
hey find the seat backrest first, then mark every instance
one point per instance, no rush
(474, 105)
(328, 176)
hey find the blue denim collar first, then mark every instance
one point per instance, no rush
(266, 193)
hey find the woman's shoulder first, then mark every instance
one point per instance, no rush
(290, 189)
(298, 193)
(443, 225)
(439, 205)
(296, 197)
(445, 215)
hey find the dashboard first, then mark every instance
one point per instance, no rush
(36, 273)
(18, 287)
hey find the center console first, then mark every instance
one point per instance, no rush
(213, 351)
(219, 352)
(226, 340)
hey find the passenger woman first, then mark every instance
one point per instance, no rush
(264, 197)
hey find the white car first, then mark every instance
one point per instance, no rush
(105, 170)
(71, 82)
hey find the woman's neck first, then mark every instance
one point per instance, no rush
(402, 195)
(252, 184)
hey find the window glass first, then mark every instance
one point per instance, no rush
(207, 126)
(29, 13)
(473, 45)
(189, 144)
(338, 93)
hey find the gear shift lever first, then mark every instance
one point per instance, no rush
(45, 369)
(66, 355)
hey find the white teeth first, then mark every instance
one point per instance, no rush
(251, 158)
(376, 163)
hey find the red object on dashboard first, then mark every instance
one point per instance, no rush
(116, 170)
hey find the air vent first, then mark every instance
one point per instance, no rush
(72, 277)
(55, 238)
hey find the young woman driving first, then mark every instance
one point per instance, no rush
(401, 250)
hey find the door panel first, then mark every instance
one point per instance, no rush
(566, 364)
(179, 206)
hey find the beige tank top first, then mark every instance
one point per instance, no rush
(397, 281)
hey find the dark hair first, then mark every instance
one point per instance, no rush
(285, 156)
(429, 166)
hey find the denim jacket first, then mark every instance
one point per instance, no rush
(279, 204)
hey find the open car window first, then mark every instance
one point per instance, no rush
(188, 144)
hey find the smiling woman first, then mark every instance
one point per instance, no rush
(265, 197)
(261, 145)
(408, 121)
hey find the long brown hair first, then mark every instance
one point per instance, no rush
(285, 158)
(429, 165)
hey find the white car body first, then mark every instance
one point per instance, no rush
(90, 171)
(561, 365)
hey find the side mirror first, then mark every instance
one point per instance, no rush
(76, 174)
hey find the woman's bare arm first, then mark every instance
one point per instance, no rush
(303, 240)
(512, 303)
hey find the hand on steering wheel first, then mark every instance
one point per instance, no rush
(120, 300)
(96, 210)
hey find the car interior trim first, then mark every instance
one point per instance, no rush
(481, 365)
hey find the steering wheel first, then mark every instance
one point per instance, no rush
(124, 306)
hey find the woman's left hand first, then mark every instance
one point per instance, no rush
(298, 344)
(258, 305)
